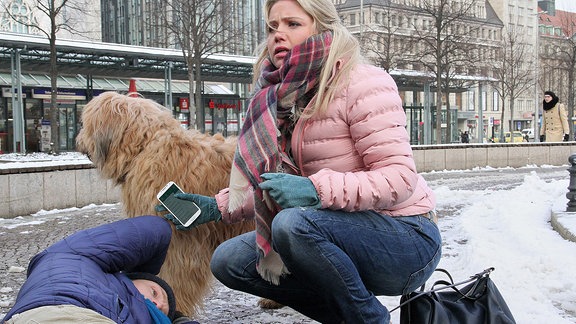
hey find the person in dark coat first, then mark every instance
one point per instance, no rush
(465, 137)
(106, 274)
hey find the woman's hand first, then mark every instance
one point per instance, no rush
(209, 210)
(290, 190)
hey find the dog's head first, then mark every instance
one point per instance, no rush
(115, 128)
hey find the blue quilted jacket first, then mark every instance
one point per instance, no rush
(84, 269)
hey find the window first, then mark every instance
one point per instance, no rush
(470, 96)
(495, 101)
(23, 18)
(557, 31)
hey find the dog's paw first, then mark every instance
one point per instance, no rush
(269, 304)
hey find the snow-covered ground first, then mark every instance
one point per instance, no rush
(489, 218)
(18, 160)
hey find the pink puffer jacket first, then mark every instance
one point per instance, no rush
(358, 155)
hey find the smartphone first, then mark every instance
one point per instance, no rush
(184, 211)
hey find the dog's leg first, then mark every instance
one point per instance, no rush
(269, 304)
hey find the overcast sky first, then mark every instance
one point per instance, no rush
(566, 5)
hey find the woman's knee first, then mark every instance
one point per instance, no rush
(285, 222)
(232, 254)
(220, 261)
(289, 224)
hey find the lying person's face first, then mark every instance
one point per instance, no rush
(154, 292)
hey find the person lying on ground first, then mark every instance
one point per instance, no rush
(105, 274)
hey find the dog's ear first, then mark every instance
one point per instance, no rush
(102, 141)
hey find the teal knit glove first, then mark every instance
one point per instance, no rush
(209, 210)
(290, 190)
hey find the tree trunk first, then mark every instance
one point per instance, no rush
(448, 116)
(198, 96)
(571, 98)
(192, 112)
(512, 126)
(501, 133)
(438, 110)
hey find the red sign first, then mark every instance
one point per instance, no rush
(222, 105)
(184, 104)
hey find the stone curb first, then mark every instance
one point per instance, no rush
(563, 222)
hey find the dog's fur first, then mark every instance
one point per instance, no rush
(138, 144)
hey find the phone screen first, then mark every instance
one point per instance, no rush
(183, 210)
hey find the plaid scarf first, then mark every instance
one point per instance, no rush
(276, 93)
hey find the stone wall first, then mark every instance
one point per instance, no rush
(467, 156)
(26, 191)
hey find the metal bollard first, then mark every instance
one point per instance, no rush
(571, 195)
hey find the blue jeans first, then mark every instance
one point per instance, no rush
(339, 262)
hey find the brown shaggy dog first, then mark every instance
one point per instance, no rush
(140, 146)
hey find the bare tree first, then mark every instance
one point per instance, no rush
(384, 42)
(199, 28)
(447, 46)
(562, 60)
(511, 69)
(61, 15)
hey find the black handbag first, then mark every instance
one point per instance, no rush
(479, 302)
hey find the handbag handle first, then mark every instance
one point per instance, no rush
(447, 285)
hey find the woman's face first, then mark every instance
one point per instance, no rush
(547, 98)
(288, 26)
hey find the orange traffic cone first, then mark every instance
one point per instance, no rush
(132, 92)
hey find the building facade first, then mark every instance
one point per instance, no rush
(475, 100)
(149, 22)
(557, 55)
(79, 19)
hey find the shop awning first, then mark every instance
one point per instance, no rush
(109, 84)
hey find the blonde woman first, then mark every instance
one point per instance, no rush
(325, 166)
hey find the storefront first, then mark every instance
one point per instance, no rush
(33, 112)
(222, 115)
(222, 110)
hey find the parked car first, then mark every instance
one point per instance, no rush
(529, 132)
(511, 137)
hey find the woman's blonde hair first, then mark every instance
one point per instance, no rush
(344, 46)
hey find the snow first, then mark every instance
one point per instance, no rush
(510, 230)
(19, 160)
(505, 226)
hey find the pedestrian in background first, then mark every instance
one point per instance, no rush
(465, 138)
(324, 165)
(555, 123)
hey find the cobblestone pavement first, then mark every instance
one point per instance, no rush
(23, 237)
